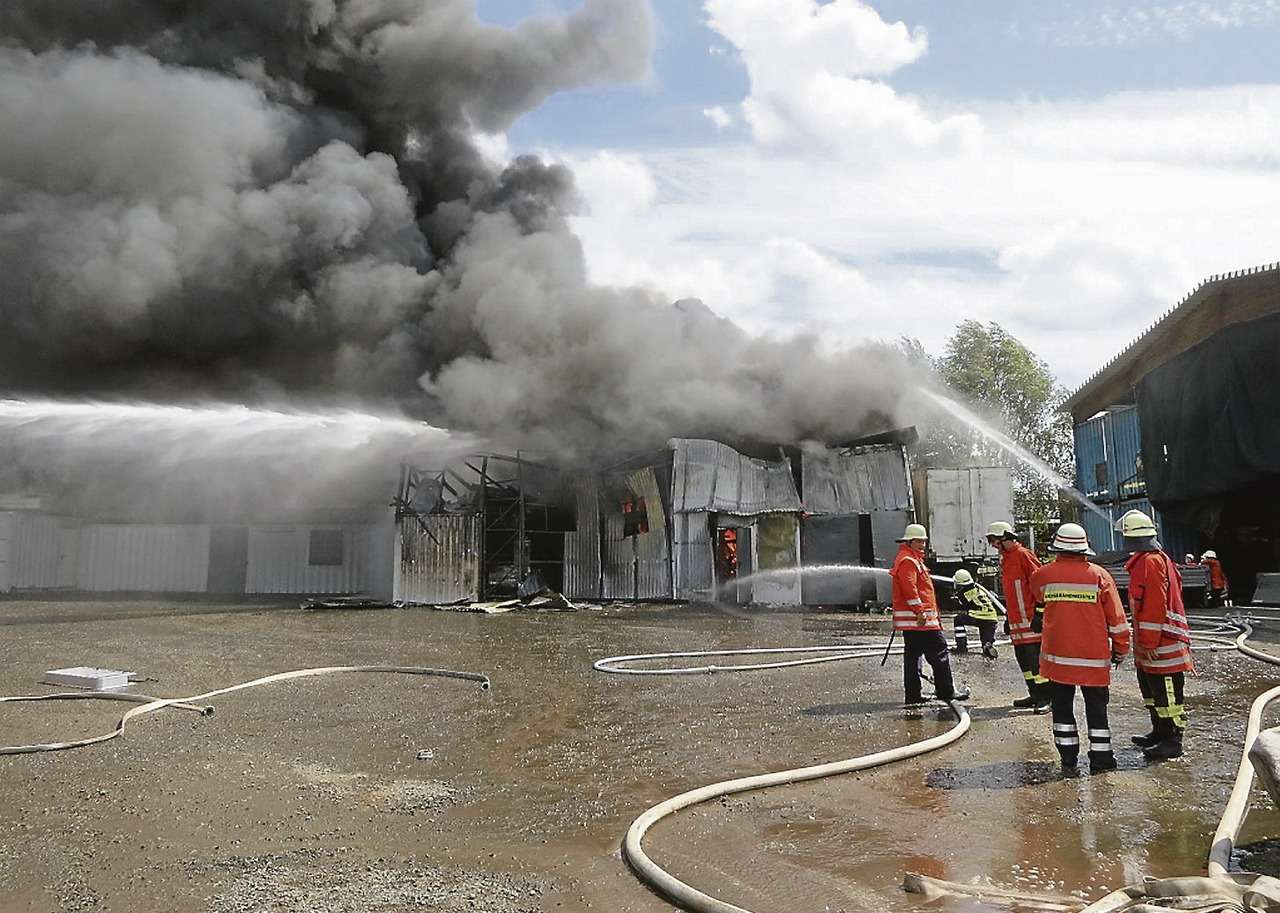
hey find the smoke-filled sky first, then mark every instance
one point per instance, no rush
(299, 200)
(1069, 168)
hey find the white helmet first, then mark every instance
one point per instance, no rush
(913, 531)
(1072, 539)
(1188, 559)
(1137, 525)
(1209, 554)
(999, 530)
(962, 578)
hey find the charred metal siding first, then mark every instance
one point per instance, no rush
(708, 476)
(442, 567)
(143, 558)
(694, 562)
(582, 547)
(639, 566)
(619, 570)
(857, 481)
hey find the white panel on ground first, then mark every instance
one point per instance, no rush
(87, 677)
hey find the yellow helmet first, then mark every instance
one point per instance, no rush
(999, 530)
(962, 578)
(1137, 525)
(1071, 538)
(913, 531)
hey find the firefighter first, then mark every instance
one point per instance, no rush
(1190, 561)
(979, 610)
(915, 614)
(1162, 639)
(1017, 564)
(1084, 634)
(1217, 579)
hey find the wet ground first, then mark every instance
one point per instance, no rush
(373, 793)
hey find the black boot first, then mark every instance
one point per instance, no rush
(1100, 761)
(1152, 737)
(1068, 763)
(1166, 749)
(1023, 703)
(989, 651)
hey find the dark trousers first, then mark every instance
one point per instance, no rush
(1028, 656)
(986, 630)
(1163, 697)
(1216, 598)
(933, 647)
(1066, 736)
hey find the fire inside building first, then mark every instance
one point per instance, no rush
(1184, 421)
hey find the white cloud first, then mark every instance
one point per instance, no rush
(719, 117)
(1116, 26)
(813, 69)
(1074, 246)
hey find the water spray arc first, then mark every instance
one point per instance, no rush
(968, 419)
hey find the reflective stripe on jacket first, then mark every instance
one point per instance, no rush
(1016, 567)
(915, 607)
(980, 607)
(1162, 639)
(1084, 623)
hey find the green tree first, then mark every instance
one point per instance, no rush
(1004, 381)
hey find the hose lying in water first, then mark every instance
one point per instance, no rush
(685, 895)
(150, 705)
(1222, 890)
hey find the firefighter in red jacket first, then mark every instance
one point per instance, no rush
(1217, 579)
(1162, 639)
(1085, 633)
(1017, 564)
(915, 614)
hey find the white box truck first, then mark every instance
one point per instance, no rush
(957, 505)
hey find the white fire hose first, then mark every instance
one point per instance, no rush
(152, 704)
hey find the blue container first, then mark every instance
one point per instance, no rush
(1099, 530)
(1124, 453)
(1093, 471)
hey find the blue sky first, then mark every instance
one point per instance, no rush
(891, 167)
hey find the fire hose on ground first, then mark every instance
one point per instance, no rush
(1221, 891)
(147, 704)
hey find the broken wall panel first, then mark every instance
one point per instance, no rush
(438, 559)
(707, 476)
(619, 570)
(777, 559)
(858, 480)
(652, 548)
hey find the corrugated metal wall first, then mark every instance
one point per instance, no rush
(1109, 455)
(833, 540)
(710, 476)
(859, 481)
(279, 561)
(582, 547)
(1126, 453)
(440, 570)
(619, 571)
(138, 558)
(41, 551)
(653, 552)
(695, 564)
(1178, 540)
(6, 549)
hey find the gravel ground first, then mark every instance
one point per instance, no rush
(371, 793)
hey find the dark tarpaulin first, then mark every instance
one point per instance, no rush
(1211, 421)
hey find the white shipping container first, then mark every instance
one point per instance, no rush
(961, 504)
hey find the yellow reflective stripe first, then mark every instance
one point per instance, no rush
(1071, 592)
(1077, 661)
